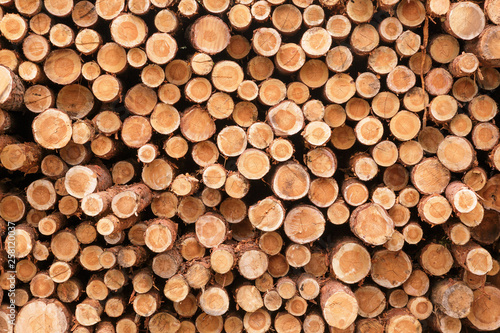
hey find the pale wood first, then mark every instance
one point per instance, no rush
(339, 305)
(287, 19)
(338, 26)
(389, 29)
(339, 59)
(435, 259)
(382, 60)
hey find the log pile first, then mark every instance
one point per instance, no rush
(209, 166)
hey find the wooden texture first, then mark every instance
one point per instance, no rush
(259, 166)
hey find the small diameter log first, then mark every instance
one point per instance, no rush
(487, 232)
(339, 305)
(83, 180)
(190, 209)
(165, 265)
(222, 258)
(52, 129)
(12, 208)
(473, 257)
(397, 298)
(271, 243)
(176, 288)
(253, 322)
(198, 273)
(336, 95)
(339, 59)
(420, 307)
(51, 223)
(134, 199)
(434, 209)
(342, 265)
(417, 284)
(364, 39)
(462, 198)
(42, 286)
(163, 321)
(382, 60)
(430, 138)
(146, 304)
(396, 242)
(401, 79)
(354, 192)
(413, 233)
(287, 19)
(65, 245)
(385, 105)
(227, 76)
(96, 288)
(435, 259)
(453, 298)
(260, 135)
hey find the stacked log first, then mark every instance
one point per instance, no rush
(209, 166)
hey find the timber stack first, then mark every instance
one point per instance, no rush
(251, 165)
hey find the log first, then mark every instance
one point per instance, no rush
(339, 305)
(453, 298)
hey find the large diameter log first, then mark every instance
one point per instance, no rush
(372, 224)
(25, 157)
(252, 264)
(390, 269)
(339, 305)
(304, 224)
(51, 316)
(12, 90)
(452, 297)
(267, 214)
(436, 259)
(485, 47)
(465, 20)
(160, 235)
(52, 129)
(209, 34)
(343, 265)
(291, 181)
(63, 66)
(484, 314)
(430, 176)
